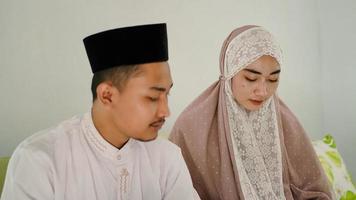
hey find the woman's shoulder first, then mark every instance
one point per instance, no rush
(285, 112)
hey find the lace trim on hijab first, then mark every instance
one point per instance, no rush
(254, 134)
(247, 47)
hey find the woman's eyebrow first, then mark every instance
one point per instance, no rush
(253, 71)
(257, 72)
(275, 72)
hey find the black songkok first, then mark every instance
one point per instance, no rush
(127, 46)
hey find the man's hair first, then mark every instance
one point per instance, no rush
(117, 75)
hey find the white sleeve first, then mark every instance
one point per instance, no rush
(179, 183)
(28, 176)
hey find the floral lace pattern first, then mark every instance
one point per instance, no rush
(248, 47)
(254, 134)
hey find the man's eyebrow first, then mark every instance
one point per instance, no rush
(160, 89)
(257, 72)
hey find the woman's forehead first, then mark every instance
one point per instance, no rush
(264, 64)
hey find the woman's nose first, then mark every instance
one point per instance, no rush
(261, 89)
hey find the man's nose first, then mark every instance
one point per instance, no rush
(163, 110)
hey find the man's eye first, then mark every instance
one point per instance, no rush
(273, 80)
(153, 99)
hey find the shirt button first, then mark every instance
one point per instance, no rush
(118, 157)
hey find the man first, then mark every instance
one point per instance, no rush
(111, 152)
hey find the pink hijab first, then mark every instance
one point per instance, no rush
(204, 134)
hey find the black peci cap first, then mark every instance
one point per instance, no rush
(127, 46)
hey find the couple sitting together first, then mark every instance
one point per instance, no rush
(237, 140)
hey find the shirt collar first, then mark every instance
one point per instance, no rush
(97, 142)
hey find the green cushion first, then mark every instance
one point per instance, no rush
(335, 168)
(3, 166)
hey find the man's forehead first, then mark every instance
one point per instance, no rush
(155, 77)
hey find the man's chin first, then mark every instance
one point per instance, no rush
(147, 139)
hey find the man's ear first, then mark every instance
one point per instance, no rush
(104, 92)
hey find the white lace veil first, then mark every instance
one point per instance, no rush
(255, 136)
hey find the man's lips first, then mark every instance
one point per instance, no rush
(158, 124)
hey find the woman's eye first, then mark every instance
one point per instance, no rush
(250, 79)
(273, 80)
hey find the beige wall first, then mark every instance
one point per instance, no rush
(338, 53)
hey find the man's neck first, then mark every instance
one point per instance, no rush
(105, 126)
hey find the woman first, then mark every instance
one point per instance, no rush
(239, 140)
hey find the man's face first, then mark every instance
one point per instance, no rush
(139, 109)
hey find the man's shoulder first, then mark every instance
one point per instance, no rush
(45, 140)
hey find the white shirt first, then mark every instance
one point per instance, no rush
(73, 161)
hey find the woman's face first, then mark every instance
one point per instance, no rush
(253, 85)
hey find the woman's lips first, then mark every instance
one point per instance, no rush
(256, 102)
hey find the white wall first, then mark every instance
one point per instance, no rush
(338, 53)
(45, 76)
